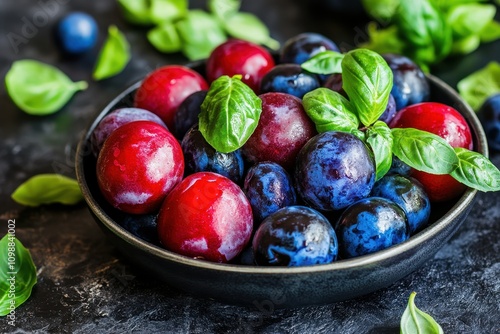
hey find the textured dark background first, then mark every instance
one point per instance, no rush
(85, 286)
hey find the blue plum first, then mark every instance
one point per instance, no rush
(370, 225)
(295, 236)
(200, 156)
(301, 47)
(409, 194)
(410, 85)
(269, 188)
(290, 79)
(142, 226)
(187, 113)
(399, 167)
(77, 33)
(390, 110)
(334, 82)
(334, 170)
(489, 115)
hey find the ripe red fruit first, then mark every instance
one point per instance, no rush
(447, 123)
(164, 89)
(240, 57)
(138, 165)
(206, 216)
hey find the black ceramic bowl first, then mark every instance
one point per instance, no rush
(282, 286)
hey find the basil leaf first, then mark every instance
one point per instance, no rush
(38, 88)
(478, 86)
(249, 27)
(165, 38)
(491, 32)
(470, 19)
(17, 274)
(379, 138)
(465, 45)
(329, 111)
(46, 189)
(423, 151)
(200, 33)
(381, 10)
(325, 62)
(114, 55)
(224, 8)
(384, 40)
(136, 11)
(367, 80)
(416, 321)
(162, 11)
(476, 171)
(229, 114)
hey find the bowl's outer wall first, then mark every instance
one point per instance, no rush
(283, 287)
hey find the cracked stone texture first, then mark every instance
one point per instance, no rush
(85, 286)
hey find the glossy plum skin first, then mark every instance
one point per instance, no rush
(164, 89)
(283, 129)
(410, 85)
(370, 225)
(303, 46)
(240, 57)
(187, 114)
(334, 82)
(409, 194)
(117, 118)
(390, 110)
(142, 226)
(207, 216)
(447, 123)
(295, 236)
(200, 156)
(489, 115)
(77, 33)
(269, 188)
(139, 164)
(334, 170)
(290, 79)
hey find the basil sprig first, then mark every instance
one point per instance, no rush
(17, 274)
(47, 189)
(38, 88)
(114, 55)
(416, 321)
(367, 80)
(325, 62)
(229, 114)
(477, 87)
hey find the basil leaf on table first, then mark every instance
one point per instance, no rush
(114, 55)
(476, 171)
(162, 11)
(20, 273)
(223, 8)
(329, 111)
(465, 45)
(477, 87)
(423, 151)
(325, 62)
(491, 32)
(470, 18)
(38, 88)
(249, 27)
(416, 321)
(367, 80)
(200, 33)
(229, 114)
(47, 189)
(379, 138)
(165, 38)
(136, 11)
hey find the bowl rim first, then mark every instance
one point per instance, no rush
(344, 264)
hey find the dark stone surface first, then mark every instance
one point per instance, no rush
(84, 286)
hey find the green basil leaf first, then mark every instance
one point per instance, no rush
(249, 27)
(200, 33)
(136, 11)
(17, 274)
(46, 189)
(224, 8)
(381, 10)
(162, 11)
(330, 111)
(38, 88)
(470, 19)
(480, 85)
(423, 151)
(367, 80)
(114, 55)
(491, 32)
(325, 62)
(446, 5)
(165, 38)
(229, 114)
(416, 321)
(384, 40)
(476, 171)
(379, 138)
(465, 45)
